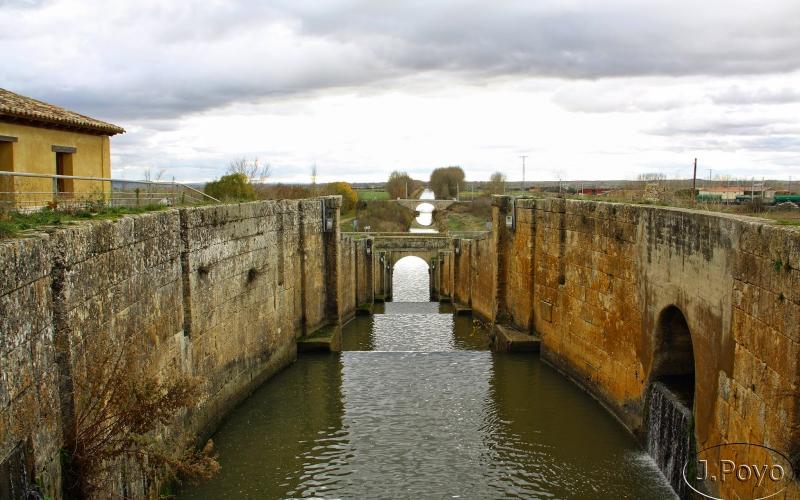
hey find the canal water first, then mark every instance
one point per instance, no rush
(425, 218)
(417, 407)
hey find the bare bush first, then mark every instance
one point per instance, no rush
(255, 172)
(122, 405)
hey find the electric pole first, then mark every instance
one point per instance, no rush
(523, 170)
(694, 182)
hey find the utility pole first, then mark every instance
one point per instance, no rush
(523, 170)
(694, 183)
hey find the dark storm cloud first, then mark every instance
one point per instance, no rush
(163, 59)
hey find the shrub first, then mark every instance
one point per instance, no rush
(231, 187)
(282, 192)
(348, 194)
(121, 403)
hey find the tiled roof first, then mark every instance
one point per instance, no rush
(15, 107)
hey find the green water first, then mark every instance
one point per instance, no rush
(418, 408)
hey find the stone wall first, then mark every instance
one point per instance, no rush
(594, 280)
(219, 292)
(483, 277)
(30, 424)
(348, 281)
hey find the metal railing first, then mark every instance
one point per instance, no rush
(27, 191)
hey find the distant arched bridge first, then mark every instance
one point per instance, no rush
(388, 248)
(437, 204)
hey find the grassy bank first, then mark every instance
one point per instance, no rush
(12, 223)
(372, 195)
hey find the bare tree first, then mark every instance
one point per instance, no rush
(497, 183)
(255, 172)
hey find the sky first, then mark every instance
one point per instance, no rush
(586, 89)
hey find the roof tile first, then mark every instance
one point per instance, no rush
(18, 107)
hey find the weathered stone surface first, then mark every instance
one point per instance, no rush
(221, 292)
(592, 279)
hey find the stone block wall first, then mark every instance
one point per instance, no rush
(219, 292)
(593, 280)
(30, 423)
(483, 275)
(348, 281)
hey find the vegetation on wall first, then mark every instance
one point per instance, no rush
(121, 404)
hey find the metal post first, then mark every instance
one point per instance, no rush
(694, 183)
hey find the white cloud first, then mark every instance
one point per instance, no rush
(599, 89)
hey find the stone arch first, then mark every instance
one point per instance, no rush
(669, 407)
(426, 257)
(673, 353)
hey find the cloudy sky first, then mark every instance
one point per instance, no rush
(592, 89)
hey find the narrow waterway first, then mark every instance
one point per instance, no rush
(417, 407)
(425, 217)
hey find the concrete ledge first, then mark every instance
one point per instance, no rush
(509, 339)
(460, 310)
(326, 339)
(364, 310)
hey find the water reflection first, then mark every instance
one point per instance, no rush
(410, 280)
(425, 210)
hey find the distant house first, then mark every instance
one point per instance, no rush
(720, 193)
(40, 138)
(592, 191)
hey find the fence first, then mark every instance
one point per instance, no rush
(21, 191)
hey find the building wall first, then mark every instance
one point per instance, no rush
(33, 153)
(219, 292)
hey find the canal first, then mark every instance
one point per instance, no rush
(418, 407)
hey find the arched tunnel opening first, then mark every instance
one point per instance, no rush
(673, 355)
(410, 280)
(670, 398)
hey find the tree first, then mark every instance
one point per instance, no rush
(235, 187)
(398, 184)
(252, 169)
(445, 182)
(348, 194)
(497, 183)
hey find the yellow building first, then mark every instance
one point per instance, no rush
(40, 138)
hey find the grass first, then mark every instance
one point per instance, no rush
(465, 222)
(372, 195)
(11, 224)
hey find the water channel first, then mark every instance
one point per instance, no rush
(425, 218)
(417, 407)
